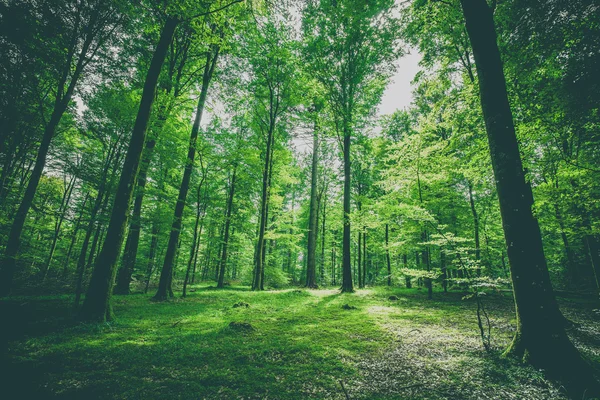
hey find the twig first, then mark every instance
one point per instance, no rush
(345, 391)
(410, 386)
(176, 323)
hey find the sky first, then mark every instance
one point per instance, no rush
(398, 94)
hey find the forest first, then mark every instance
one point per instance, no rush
(293, 199)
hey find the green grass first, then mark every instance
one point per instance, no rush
(303, 345)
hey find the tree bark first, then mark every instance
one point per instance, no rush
(311, 262)
(540, 335)
(347, 286)
(133, 237)
(387, 254)
(97, 305)
(476, 223)
(223, 265)
(166, 276)
(61, 217)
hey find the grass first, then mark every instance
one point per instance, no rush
(302, 344)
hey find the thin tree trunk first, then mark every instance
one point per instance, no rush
(311, 262)
(407, 277)
(74, 235)
(152, 254)
(220, 282)
(62, 214)
(476, 224)
(387, 254)
(166, 276)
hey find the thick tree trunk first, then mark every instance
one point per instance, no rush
(347, 286)
(223, 265)
(311, 262)
(166, 276)
(97, 305)
(540, 335)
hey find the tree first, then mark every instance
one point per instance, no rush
(350, 46)
(96, 306)
(540, 335)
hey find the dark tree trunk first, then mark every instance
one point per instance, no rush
(407, 277)
(540, 335)
(97, 305)
(257, 283)
(133, 237)
(387, 254)
(591, 242)
(166, 276)
(359, 261)
(347, 286)
(311, 262)
(324, 199)
(223, 266)
(364, 271)
(152, 254)
(444, 270)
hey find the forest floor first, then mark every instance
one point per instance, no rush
(300, 344)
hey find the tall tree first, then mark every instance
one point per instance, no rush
(350, 45)
(540, 335)
(97, 306)
(164, 287)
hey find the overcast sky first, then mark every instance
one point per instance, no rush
(398, 94)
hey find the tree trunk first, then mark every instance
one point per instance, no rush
(257, 283)
(74, 235)
(407, 277)
(347, 286)
(540, 335)
(152, 254)
(166, 276)
(444, 270)
(476, 223)
(61, 217)
(226, 232)
(387, 254)
(97, 305)
(311, 262)
(133, 237)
